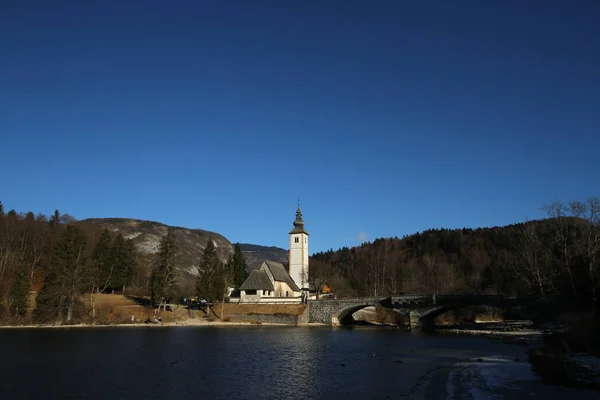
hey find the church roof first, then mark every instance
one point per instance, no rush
(258, 280)
(280, 274)
(298, 223)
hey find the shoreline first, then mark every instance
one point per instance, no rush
(185, 323)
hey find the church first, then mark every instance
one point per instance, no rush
(272, 283)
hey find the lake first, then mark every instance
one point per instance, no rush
(263, 363)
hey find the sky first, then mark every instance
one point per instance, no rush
(384, 118)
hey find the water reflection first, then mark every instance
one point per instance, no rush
(222, 363)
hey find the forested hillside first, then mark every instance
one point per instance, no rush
(560, 254)
(63, 260)
(59, 260)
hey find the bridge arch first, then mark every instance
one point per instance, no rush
(426, 316)
(344, 315)
(419, 308)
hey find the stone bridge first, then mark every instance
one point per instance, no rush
(421, 309)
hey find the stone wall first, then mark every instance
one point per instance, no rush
(287, 319)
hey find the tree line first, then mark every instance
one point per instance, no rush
(213, 276)
(67, 264)
(558, 255)
(70, 263)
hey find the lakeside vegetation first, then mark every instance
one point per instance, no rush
(556, 256)
(64, 260)
(54, 268)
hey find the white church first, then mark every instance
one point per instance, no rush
(272, 283)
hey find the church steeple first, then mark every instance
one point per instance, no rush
(298, 223)
(298, 257)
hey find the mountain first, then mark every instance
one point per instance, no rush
(146, 236)
(256, 254)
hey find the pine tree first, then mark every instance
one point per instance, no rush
(19, 292)
(213, 275)
(238, 266)
(55, 219)
(67, 277)
(124, 258)
(1, 209)
(164, 276)
(103, 262)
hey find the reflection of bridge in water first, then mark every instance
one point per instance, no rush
(421, 309)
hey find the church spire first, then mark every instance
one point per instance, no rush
(298, 222)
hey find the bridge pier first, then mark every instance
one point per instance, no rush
(414, 318)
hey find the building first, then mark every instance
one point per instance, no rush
(269, 281)
(272, 283)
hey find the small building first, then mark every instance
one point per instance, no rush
(269, 282)
(272, 282)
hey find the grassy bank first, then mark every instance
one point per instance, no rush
(120, 310)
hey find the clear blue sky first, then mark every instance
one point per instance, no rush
(385, 117)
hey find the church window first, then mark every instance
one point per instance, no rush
(296, 240)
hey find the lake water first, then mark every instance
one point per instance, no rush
(262, 363)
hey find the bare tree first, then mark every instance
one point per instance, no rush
(589, 246)
(8, 237)
(558, 212)
(532, 261)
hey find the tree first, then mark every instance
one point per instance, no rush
(38, 239)
(123, 254)
(8, 240)
(164, 276)
(238, 266)
(589, 245)
(66, 278)
(19, 292)
(55, 220)
(103, 268)
(532, 261)
(103, 262)
(558, 212)
(213, 276)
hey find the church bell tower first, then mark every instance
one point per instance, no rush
(298, 257)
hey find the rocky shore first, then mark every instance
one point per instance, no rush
(549, 355)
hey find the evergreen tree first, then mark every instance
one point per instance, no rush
(19, 292)
(1, 209)
(123, 257)
(67, 277)
(55, 220)
(103, 262)
(164, 276)
(213, 275)
(238, 266)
